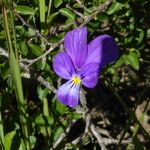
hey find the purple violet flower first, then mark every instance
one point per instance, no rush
(81, 63)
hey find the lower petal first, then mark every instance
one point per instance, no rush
(68, 94)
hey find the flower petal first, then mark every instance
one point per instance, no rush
(68, 94)
(89, 74)
(63, 65)
(102, 49)
(75, 44)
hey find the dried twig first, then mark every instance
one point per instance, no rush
(56, 144)
(88, 122)
(31, 27)
(83, 100)
(46, 84)
(98, 137)
(114, 141)
(81, 4)
(75, 11)
(99, 9)
(3, 52)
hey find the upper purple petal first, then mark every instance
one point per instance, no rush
(68, 94)
(89, 74)
(75, 44)
(63, 65)
(103, 50)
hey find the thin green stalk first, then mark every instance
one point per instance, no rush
(45, 107)
(45, 101)
(1, 126)
(13, 29)
(46, 113)
(49, 9)
(42, 10)
(15, 72)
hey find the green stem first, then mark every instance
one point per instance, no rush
(13, 29)
(1, 127)
(42, 10)
(46, 114)
(45, 107)
(49, 9)
(15, 72)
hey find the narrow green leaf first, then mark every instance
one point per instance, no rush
(22, 145)
(42, 92)
(66, 12)
(130, 147)
(114, 7)
(118, 63)
(23, 48)
(76, 115)
(141, 36)
(148, 33)
(41, 120)
(8, 140)
(30, 32)
(15, 71)
(1, 125)
(57, 3)
(76, 5)
(132, 59)
(60, 108)
(103, 16)
(36, 50)
(52, 17)
(57, 133)
(42, 10)
(24, 10)
(5, 71)
(32, 141)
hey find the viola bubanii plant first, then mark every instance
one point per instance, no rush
(34, 114)
(80, 63)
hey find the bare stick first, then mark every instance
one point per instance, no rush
(3, 52)
(46, 53)
(81, 5)
(46, 84)
(31, 27)
(63, 135)
(115, 141)
(88, 122)
(98, 137)
(101, 8)
(75, 11)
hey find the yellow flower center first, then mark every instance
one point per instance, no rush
(76, 80)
